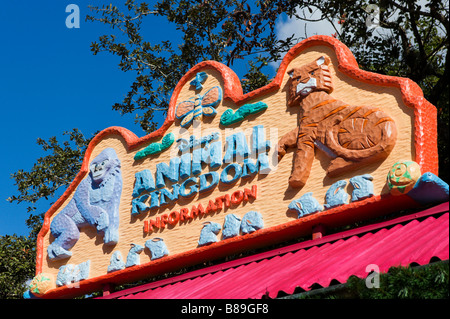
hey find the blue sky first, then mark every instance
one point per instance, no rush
(50, 82)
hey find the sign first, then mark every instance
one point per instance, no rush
(324, 143)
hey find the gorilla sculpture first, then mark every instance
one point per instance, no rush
(95, 203)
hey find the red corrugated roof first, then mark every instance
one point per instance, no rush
(317, 262)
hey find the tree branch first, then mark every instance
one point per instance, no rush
(416, 33)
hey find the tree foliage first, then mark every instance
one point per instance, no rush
(409, 40)
(17, 259)
(430, 282)
(51, 172)
(423, 282)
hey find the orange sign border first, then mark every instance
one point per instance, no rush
(425, 145)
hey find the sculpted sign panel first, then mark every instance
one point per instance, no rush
(324, 143)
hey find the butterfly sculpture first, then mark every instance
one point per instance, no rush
(199, 105)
